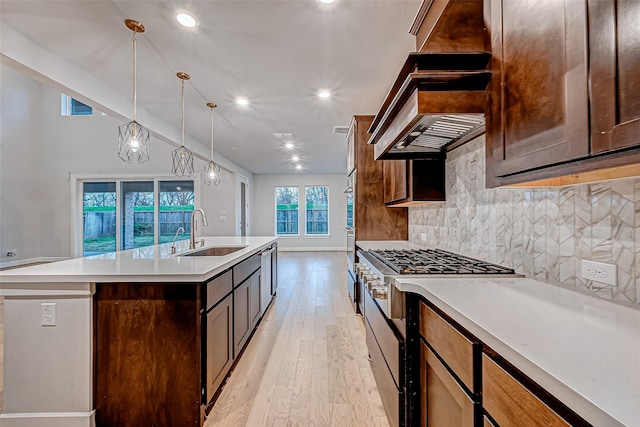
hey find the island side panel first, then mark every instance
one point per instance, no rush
(147, 354)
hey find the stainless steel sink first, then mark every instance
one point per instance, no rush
(215, 251)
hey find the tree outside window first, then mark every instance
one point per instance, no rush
(317, 211)
(286, 211)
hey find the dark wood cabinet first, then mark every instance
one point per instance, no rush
(372, 219)
(510, 403)
(241, 316)
(411, 182)
(614, 44)
(538, 112)
(147, 339)
(219, 350)
(443, 402)
(564, 99)
(254, 299)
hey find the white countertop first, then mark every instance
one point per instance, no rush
(150, 263)
(584, 351)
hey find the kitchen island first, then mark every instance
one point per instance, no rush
(122, 325)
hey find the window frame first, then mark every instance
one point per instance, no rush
(318, 235)
(66, 106)
(275, 211)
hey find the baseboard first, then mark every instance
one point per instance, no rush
(311, 249)
(49, 419)
(29, 261)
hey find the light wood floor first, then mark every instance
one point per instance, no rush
(307, 363)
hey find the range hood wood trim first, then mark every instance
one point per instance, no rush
(418, 63)
(419, 103)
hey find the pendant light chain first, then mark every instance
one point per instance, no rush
(133, 139)
(212, 133)
(182, 157)
(183, 113)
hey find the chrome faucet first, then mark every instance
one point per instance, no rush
(173, 246)
(192, 236)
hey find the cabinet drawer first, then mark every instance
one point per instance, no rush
(510, 403)
(453, 347)
(218, 287)
(443, 402)
(245, 268)
(389, 393)
(384, 336)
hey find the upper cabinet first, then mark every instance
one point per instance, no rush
(614, 42)
(412, 182)
(564, 98)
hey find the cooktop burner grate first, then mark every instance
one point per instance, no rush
(436, 261)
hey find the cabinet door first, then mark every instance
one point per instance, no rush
(219, 354)
(510, 403)
(396, 185)
(538, 110)
(614, 43)
(443, 402)
(254, 299)
(241, 320)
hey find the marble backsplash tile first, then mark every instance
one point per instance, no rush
(542, 232)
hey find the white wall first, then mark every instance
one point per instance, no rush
(264, 210)
(40, 149)
(20, 189)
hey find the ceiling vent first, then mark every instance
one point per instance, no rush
(340, 130)
(288, 135)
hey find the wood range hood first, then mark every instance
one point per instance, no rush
(438, 100)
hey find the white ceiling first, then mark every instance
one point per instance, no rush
(275, 53)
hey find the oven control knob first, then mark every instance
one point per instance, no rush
(374, 283)
(379, 292)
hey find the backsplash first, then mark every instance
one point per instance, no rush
(542, 232)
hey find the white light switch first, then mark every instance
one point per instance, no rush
(48, 312)
(223, 217)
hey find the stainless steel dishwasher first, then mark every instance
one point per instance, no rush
(265, 278)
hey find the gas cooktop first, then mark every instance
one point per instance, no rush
(436, 261)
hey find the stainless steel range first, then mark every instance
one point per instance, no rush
(379, 268)
(384, 314)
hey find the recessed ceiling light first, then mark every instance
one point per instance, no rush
(242, 101)
(295, 158)
(326, 1)
(289, 145)
(324, 94)
(186, 20)
(298, 167)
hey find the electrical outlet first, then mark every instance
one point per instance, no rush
(423, 237)
(454, 233)
(48, 312)
(600, 272)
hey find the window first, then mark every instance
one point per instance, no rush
(73, 107)
(287, 211)
(123, 214)
(137, 214)
(176, 205)
(317, 212)
(99, 218)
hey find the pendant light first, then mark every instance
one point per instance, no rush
(212, 169)
(182, 157)
(133, 139)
